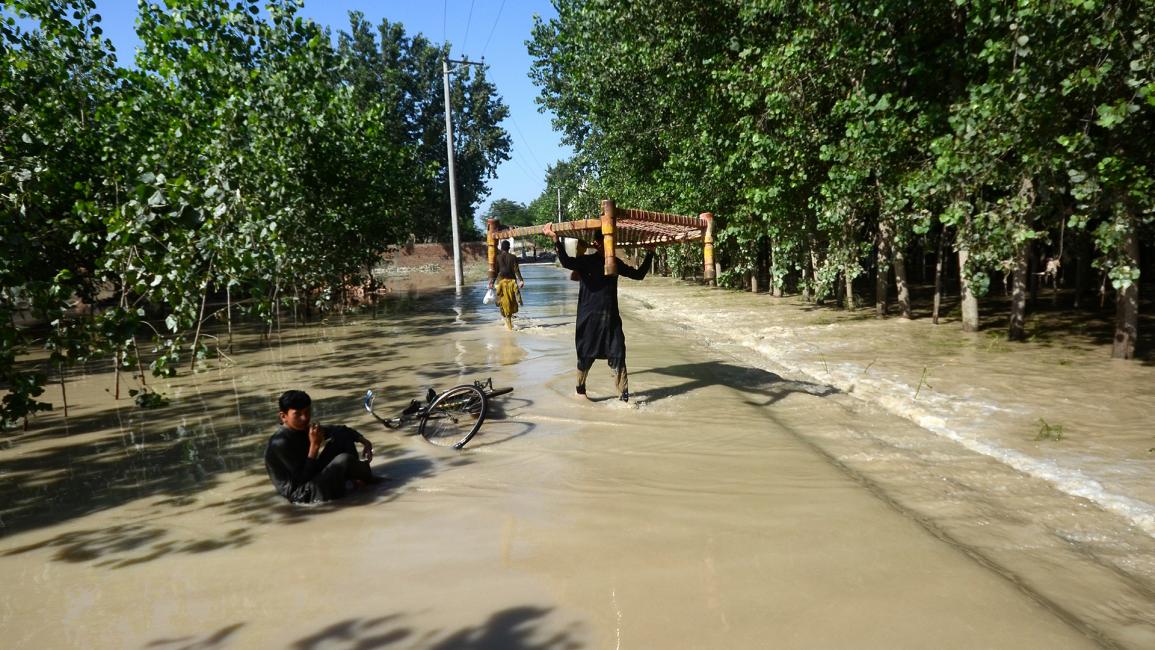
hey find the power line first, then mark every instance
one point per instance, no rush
(468, 22)
(525, 141)
(528, 175)
(491, 29)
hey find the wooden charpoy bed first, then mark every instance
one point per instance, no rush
(621, 228)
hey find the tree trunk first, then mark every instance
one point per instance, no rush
(881, 284)
(1082, 269)
(63, 392)
(229, 314)
(200, 317)
(1127, 306)
(846, 273)
(777, 281)
(923, 263)
(139, 361)
(765, 268)
(1056, 273)
(938, 263)
(1034, 277)
(970, 304)
(812, 262)
(900, 283)
(1020, 280)
(806, 280)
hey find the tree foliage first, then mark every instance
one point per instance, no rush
(245, 154)
(831, 138)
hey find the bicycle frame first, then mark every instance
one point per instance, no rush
(412, 413)
(444, 415)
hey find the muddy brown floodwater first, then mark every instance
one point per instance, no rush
(743, 499)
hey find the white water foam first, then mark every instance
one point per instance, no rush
(955, 417)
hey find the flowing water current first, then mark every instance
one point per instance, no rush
(783, 477)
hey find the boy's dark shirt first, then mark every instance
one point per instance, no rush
(289, 466)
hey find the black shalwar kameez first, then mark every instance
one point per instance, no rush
(301, 479)
(599, 325)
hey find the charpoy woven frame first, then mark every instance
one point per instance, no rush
(621, 228)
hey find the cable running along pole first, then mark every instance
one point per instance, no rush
(458, 276)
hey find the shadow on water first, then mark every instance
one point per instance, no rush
(508, 430)
(752, 382)
(127, 545)
(498, 428)
(515, 628)
(116, 453)
(171, 452)
(219, 639)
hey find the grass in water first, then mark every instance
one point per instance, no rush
(996, 341)
(1049, 431)
(922, 382)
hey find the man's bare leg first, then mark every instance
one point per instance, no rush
(583, 370)
(621, 379)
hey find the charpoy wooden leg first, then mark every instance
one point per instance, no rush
(609, 223)
(708, 272)
(491, 246)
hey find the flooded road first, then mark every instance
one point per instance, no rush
(731, 504)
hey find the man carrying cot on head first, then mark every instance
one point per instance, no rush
(599, 332)
(508, 291)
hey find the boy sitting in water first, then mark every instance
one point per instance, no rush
(309, 463)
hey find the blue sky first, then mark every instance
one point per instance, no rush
(495, 29)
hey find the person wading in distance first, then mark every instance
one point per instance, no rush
(508, 290)
(599, 325)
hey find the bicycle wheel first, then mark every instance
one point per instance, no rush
(454, 417)
(498, 392)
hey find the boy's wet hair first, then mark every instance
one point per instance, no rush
(505, 244)
(293, 399)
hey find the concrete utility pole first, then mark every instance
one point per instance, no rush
(559, 205)
(457, 272)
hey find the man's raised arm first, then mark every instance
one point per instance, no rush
(562, 256)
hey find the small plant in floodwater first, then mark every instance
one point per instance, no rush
(996, 341)
(1049, 431)
(922, 382)
(1065, 362)
(148, 399)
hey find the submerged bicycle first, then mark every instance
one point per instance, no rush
(449, 419)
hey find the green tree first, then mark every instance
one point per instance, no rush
(53, 148)
(245, 157)
(509, 213)
(832, 139)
